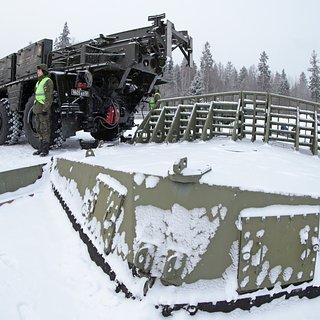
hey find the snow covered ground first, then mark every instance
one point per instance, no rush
(45, 269)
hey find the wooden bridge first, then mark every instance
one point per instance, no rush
(241, 114)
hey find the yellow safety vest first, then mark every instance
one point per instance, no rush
(40, 95)
(152, 103)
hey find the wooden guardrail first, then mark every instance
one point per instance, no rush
(238, 114)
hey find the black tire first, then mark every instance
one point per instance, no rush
(29, 125)
(10, 124)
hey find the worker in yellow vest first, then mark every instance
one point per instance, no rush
(42, 109)
(155, 96)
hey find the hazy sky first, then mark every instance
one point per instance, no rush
(237, 30)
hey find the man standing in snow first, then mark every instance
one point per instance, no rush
(42, 109)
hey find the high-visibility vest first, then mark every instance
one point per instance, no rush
(40, 96)
(152, 103)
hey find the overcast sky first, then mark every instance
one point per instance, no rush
(237, 30)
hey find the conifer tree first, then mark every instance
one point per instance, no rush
(168, 89)
(217, 75)
(276, 83)
(302, 88)
(284, 88)
(230, 77)
(187, 75)
(314, 80)
(196, 87)
(206, 63)
(243, 79)
(64, 39)
(264, 76)
(177, 81)
(252, 78)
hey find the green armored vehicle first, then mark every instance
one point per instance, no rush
(200, 219)
(98, 83)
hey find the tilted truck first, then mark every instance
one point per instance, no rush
(98, 84)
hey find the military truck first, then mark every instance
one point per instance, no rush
(98, 83)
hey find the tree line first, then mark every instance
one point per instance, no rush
(213, 76)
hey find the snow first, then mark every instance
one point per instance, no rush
(46, 271)
(192, 238)
(106, 179)
(278, 210)
(275, 172)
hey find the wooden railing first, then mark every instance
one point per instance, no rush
(238, 114)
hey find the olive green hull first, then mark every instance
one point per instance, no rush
(182, 232)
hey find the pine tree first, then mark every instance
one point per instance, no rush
(243, 79)
(302, 87)
(264, 76)
(64, 39)
(206, 63)
(276, 83)
(177, 81)
(314, 80)
(230, 77)
(284, 88)
(217, 75)
(168, 88)
(252, 78)
(187, 75)
(196, 87)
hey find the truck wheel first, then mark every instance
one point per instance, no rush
(30, 126)
(10, 124)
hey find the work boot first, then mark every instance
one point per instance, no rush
(45, 149)
(36, 153)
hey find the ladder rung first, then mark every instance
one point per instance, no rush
(282, 115)
(273, 106)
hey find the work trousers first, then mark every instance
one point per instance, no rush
(43, 127)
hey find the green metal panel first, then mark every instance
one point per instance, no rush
(14, 179)
(277, 249)
(154, 222)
